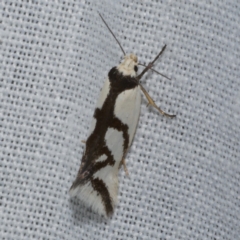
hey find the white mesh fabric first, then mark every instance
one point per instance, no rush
(184, 173)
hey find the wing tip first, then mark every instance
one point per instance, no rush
(92, 199)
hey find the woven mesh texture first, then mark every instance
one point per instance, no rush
(184, 173)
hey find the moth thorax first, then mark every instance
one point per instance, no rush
(128, 67)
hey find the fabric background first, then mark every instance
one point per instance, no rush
(184, 173)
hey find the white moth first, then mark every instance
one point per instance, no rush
(111, 133)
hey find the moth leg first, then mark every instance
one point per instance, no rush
(152, 103)
(83, 141)
(125, 166)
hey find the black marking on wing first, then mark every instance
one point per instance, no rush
(96, 145)
(99, 186)
(121, 127)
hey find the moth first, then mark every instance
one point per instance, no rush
(111, 133)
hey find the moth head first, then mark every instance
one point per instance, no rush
(129, 65)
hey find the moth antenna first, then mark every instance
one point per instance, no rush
(150, 65)
(155, 71)
(112, 33)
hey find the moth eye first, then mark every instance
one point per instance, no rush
(135, 68)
